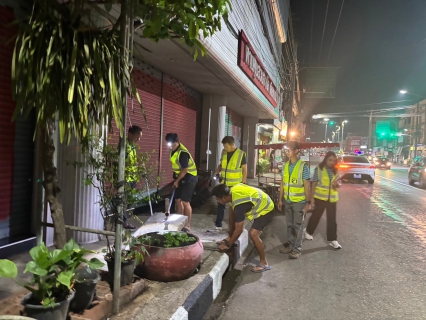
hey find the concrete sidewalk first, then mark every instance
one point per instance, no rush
(177, 300)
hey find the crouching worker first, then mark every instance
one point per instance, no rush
(246, 202)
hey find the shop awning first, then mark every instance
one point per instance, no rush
(303, 145)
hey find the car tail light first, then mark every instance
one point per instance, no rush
(372, 167)
(344, 166)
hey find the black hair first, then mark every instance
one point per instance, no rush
(134, 129)
(293, 144)
(228, 140)
(221, 191)
(324, 161)
(172, 137)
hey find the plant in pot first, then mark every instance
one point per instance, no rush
(51, 288)
(172, 256)
(132, 253)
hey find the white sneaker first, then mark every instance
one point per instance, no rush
(215, 229)
(335, 244)
(307, 235)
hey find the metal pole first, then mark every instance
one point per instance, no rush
(293, 85)
(124, 35)
(208, 140)
(417, 129)
(326, 124)
(343, 127)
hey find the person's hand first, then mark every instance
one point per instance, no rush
(280, 205)
(335, 185)
(313, 203)
(307, 207)
(176, 184)
(223, 247)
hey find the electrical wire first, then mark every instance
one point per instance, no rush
(312, 31)
(323, 30)
(335, 31)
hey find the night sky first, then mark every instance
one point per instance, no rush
(380, 48)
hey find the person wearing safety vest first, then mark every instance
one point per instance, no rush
(325, 195)
(295, 191)
(185, 175)
(253, 204)
(233, 170)
(134, 134)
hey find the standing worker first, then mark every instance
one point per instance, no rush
(233, 169)
(131, 171)
(295, 190)
(325, 195)
(185, 175)
(253, 204)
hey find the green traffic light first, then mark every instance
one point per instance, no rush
(331, 123)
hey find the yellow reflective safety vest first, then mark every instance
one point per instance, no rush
(324, 190)
(131, 169)
(262, 203)
(232, 173)
(294, 189)
(174, 159)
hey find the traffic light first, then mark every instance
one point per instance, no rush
(331, 123)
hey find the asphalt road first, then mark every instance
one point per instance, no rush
(379, 273)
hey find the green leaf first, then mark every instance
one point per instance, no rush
(8, 269)
(70, 246)
(95, 263)
(65, 278)
(58, 255)
(40, 256)
(35, 269)
(192, 29)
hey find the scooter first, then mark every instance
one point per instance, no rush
(202, 189)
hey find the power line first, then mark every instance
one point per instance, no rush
(335, 31)
(323, 30)
(312, 31)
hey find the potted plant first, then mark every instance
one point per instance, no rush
(132, 253)
(172, 255)
(51, 288)
(86, 279)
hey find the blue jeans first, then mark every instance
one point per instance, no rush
(295, 217)
(220, 214)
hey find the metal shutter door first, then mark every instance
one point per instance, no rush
(234, 125)
(7, 128)
(181, 105)
(148, 83)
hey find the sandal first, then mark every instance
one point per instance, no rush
(263, 268)
(129, 226)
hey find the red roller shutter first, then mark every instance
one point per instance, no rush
(7, 127)
(148, 83)
(181, 105)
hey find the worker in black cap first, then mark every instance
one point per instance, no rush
(185, 175)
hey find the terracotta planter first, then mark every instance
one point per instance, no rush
(170, 264)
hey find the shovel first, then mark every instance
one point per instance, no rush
(170, 204)
(149, 196)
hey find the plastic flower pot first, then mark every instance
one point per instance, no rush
(39, 312)
(85, 285)
(127, 269)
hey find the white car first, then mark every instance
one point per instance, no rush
(356, 167)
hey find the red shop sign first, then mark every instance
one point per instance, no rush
(250, 63)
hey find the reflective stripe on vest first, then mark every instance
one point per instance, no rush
(262, 203)
(323, 190)
(232, 173)
(192, 169)
(294, 189)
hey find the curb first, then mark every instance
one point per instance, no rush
(201, 298)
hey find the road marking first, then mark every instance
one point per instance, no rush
(407, 185)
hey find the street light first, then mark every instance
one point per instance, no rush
(343, 127)
(417, 119)
(326, 124)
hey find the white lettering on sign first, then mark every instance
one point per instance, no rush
(260, 73)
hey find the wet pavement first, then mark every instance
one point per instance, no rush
(378, 274)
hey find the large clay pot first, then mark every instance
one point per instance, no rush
(170, 264)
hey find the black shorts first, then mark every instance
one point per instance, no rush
(186, 189)
(262, 221)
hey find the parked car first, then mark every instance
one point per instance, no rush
(382, 162)
(356, 167)
(417, 172)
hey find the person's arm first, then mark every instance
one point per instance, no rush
(307, 185)
(239, 214)
(184, 163)
(280, 200)
(244, 168)
(219, 169)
